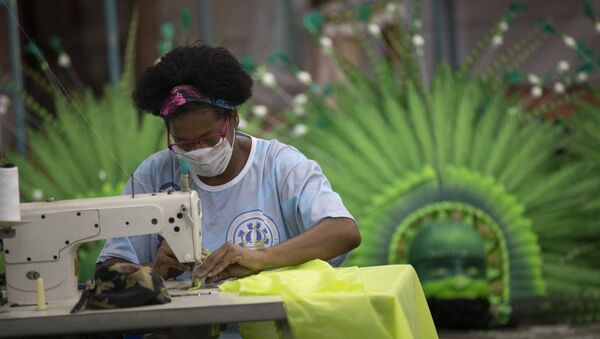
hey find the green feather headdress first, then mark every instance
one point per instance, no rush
(401, 154)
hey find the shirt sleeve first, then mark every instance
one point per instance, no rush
(307, 197)
(118, 248)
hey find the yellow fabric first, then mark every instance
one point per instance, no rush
(350, 302)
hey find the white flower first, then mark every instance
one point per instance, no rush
(418, 24)
(559, 87)
(536, 91)
(597, 26)
(102, 175)
(304, 77)
(569, 41)
(299, 109)
(325, 42)
(298, 103)
(497, 40)
(260, 111)
(374, 29)
(300, 130)
(513, 110)
(4, 103)
(533, 79)
(391, 7)
(326, 45)
(64, 60)
(300, 99)
(503, 26)
(562, 66)
(243, 123)
(268, 79)
(418, 40)
(4, 100)
(37, 194)
(582, 76)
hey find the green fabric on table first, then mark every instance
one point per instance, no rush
(350, 302)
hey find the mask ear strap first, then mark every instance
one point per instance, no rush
(235, 124)
(229, 115)
(233, 143)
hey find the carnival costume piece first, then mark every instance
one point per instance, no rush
(459, 180)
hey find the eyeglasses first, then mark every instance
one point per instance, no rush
(203, 142)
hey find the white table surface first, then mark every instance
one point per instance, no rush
(201, 307)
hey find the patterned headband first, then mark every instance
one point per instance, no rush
(183, 94)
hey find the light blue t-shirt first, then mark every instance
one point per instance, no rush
(277, 195)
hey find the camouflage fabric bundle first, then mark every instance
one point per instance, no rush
(119, 284)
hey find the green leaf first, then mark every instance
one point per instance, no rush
(313, 22)
(518, 7)
(56, 44)
(588, 9)
(164, 47)
(33, 49)
(546, 26)
(584, 52)
(167, 31)
(248, 64)
(363, 12)
(186, 18)
(327, 90)
(514, 10)
(513, 77)
(588, 67)
(279, 56)
(314, 89)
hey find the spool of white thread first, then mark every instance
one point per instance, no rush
(9, 193)
(41, 295)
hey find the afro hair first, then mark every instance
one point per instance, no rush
(212, 70)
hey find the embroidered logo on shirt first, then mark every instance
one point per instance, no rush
(253, 230)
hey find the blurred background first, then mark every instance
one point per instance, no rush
(444, 124)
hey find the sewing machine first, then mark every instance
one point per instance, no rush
(45, 243)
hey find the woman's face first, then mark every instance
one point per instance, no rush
(196, 129)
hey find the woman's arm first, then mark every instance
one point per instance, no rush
(325, 240)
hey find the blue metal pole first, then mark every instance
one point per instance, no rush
(283, 31)
(438, 36)
(452, 33)
(17, 73)
(206, 21)
(112, 33)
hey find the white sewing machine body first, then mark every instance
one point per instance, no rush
(46, 245)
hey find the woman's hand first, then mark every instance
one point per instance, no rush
(166, 264)
(325, 240)
(231, 261)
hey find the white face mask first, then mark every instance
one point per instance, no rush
(210, 161)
